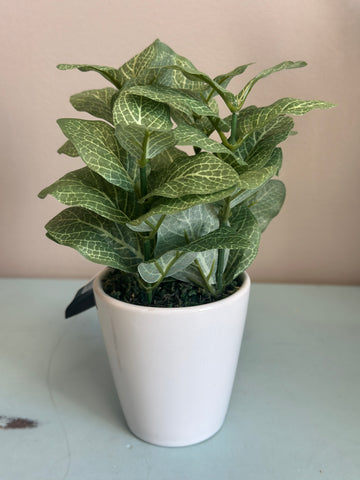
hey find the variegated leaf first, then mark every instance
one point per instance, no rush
(242, 220)
(68, 149)
(221, 239)
(173, 261)
(166, 57)
(252, 118)
(201, 174)
(141, 111)
(139, 64)
(193, 74)
(174, 205)
(225, 79)
(166, 158)
(253, 179)
(267, 202)
(97, 146)
(261, 140)
(96, 238)
(138, 141)
(176, 99)
(183, 227)
(96, 102)
(187, 135)
(111, 74)
(241, 97)
(165, 266)
(148, 225)
(85, 188)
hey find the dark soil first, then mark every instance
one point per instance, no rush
(170, 293)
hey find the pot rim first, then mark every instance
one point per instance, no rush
(99, 292)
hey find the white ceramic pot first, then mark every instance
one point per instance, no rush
(173, 368)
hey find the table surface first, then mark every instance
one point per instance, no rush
(294, 412)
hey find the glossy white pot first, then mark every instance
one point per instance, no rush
(173, 368)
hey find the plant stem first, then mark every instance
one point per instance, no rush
(233, 128)
(224, 219)
(225, 214)
(143, 181)
(144, 191)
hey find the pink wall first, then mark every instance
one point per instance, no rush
(316, 237)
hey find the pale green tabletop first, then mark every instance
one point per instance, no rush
(294, 414)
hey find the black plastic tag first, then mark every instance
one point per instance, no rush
(83, 300)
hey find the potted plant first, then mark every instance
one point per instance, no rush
(175, 229)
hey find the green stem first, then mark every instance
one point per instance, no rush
(233, 128)
(144, 191)
(225, 214)
(224, 219)
(143, 181)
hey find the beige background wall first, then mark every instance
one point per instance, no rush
(316, 237)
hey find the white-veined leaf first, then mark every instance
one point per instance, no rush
(68, 149)
(242, 220)
(111, 74)
(173, 205)
(96, 102)
(266, 203)
(187, 135)
(96, 238)
(138, 141)
(176, 99)
(271, 134)
(201, 174)
(252, 118)
(131, 109)
(97, 146)
(241, 97)
(85, 188)
(177, 260)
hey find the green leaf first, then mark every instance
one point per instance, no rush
(85, 188)
(139, 64)
(267, 202)
(178, 259)
(167, 265)
(186, 226)
(166, 57)
(253, 179)
(194, 74)
(176, 99)
(174, 205)
(221, 239)
(111, 74)
(225, 78)
(252, 118)
(253, 148)
(96, 238)
(201, 174)
(138, 141)
(68, 149)
(242, 220)
(241, 97)
(97, 146)
(187, 135)
(163, 160)
(141, 111)
(96, 102)
(147, 68)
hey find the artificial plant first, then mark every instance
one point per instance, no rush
(143, 204)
